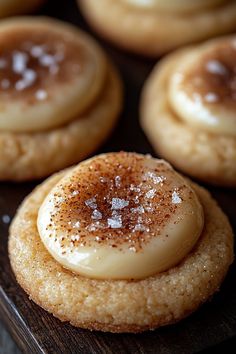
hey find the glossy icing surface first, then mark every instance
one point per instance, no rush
(120, 216)
(202, 90)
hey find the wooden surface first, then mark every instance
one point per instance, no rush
(7, 346)
(36, 331)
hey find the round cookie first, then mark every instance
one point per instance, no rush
(188, 110)
(155, 27)
(60, 97)
(16, 7)
(153, 301)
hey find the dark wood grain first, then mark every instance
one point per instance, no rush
(7, 346)
(36, 331)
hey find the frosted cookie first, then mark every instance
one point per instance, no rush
(154, 27)
(15, 7)
(59, 97)
(188, 110)
(120, 243)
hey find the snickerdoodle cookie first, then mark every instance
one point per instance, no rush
(59, 97)
(188, 110)
(15, 7)
(120, 243)
(154, 27)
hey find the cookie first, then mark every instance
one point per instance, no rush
(188, 110)
(60, 97)
(156, 27)
(15, 7)
(137, 247)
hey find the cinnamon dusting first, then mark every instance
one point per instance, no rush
(116, 201)
(33, 60)
(213, 79)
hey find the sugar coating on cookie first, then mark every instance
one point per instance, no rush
(101, 304)
(120, 216)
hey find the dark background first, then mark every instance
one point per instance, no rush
(210, 330)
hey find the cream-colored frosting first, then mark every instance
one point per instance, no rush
(176, 5)
(204, 95)
(50, 73)
(120, 216)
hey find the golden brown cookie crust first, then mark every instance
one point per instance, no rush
(209, 157)
(116, 305)
(35, 155)
(149, 33)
